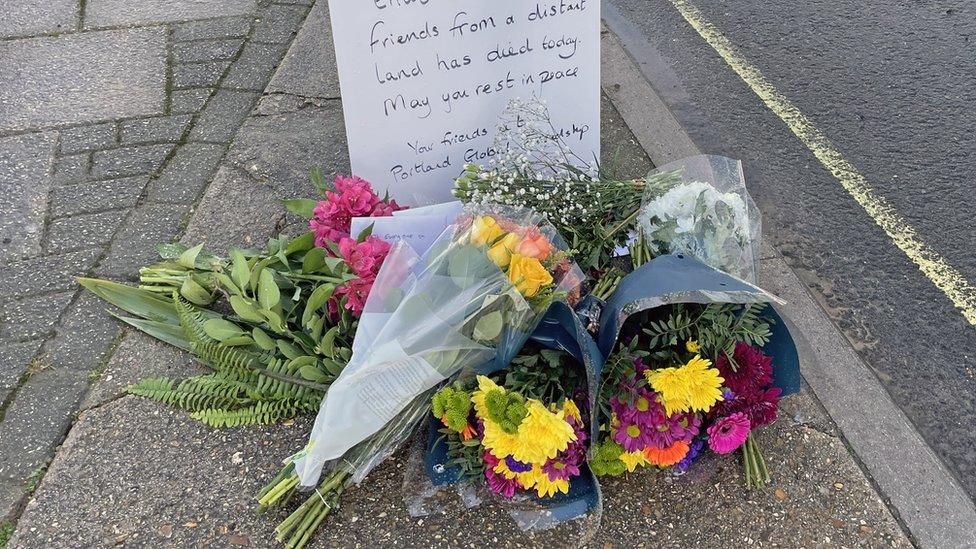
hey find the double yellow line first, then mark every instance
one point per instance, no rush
(950, 281)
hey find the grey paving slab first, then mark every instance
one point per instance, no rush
(279, 23)
(231, 27)
(135, 243)
(31, 317)
(199, 75)
(189, 101)
(25, 178)
(154, 130)
(309, 67)
(223, 115)
(96, 196)
(124, 476)
(73, 168)
(187, 174)
(209, 50)
(37, 420)
(83, 77)
(32, 17)
(138, 357)
(45, 274)
(85, 335)
(87, 138)
(254, 67)
(82, 231)
(133, 160)
(13, 361)
(105, 13)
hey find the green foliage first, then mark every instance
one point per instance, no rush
(606, 459)
(452, 405)
(265, 413)
(546, 375)
(6, 532)
(34, 479)
(466, 455)
(716, 326)
(506, 408)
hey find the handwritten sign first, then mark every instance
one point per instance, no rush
(423, 82)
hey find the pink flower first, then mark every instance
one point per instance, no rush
(353, 197)
(366, 257)
(356, 291)
(384, 209)
(728, 433)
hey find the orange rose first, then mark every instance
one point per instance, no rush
(534, 244)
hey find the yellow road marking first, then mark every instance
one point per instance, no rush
(959, 290)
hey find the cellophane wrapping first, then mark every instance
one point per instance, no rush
(708, 215)
(426, 319)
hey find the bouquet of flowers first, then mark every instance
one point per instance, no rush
(275, 325)
(472, 299)
(519, 430)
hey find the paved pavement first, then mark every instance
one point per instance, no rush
(113, 119)
(131, 472)
(891, 85)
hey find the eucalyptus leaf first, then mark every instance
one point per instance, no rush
(268, 293)
(221, 329)
(289, 350)
(314, 260)
(240, 272)
(245, 309)
(302, 207)
(194, 292)
(237, 341)
(488, 327)
(189, 258)
(300, 244)
(320, 296)
(263, 340)
(311, 373)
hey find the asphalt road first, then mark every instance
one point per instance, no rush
(893, 86)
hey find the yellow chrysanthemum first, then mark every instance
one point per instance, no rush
(526, 479)
(633, 460)
(545, 487)
(540, 436)
(571, 410)
(696, 386)
(485, 386)
(692, 346)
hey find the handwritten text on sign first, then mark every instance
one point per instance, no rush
(423, 82)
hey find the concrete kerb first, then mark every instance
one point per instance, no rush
(920, 490)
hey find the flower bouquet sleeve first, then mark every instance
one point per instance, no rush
(479, 290)
(704, 211)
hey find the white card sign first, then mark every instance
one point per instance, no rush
(423, 82)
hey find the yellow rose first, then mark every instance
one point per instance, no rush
(528, 275)
(485, 230)
(501, 253)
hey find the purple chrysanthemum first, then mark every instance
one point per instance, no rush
(632, 436)
(517, 466)
(694, 449)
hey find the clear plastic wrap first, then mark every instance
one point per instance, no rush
(708, 215)
(477, 292)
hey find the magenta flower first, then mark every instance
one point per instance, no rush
(557, 469)
(497, 482)
(364, 258)
(632, 436)
(352, 197)
(728, 433)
